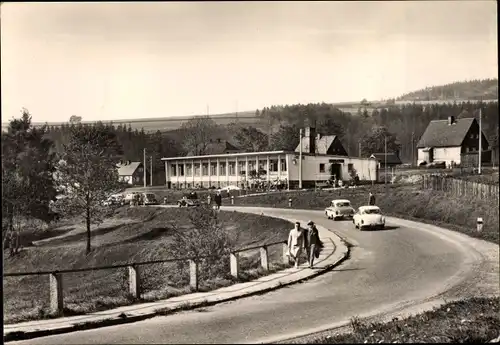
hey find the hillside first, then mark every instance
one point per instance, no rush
(486, 89)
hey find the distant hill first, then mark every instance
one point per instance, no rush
(486, 89)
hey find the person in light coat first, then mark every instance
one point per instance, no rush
(295, 243)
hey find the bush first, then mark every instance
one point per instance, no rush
(206, 239)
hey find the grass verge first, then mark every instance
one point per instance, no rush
(404, 201)
(148, 238)
(475, 320)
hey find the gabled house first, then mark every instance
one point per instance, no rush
(320, 144)
(392, 159)
(452, 141)
(217, 147)
(131, 172)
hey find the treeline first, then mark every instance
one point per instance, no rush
(405, 122)
(474, 89)
(132, 142)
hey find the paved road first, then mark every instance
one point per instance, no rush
(386, 267)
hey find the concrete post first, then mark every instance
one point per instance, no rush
(235, 264)
(264, 262)
(289, 202)
(479, 224)
(232, 199)
(286, 257)
(193, 274)
(134, 282)
(56, 293)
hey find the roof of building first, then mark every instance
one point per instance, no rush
(322, 144)
(217, 147)
(392, 157)
(439, 134)
(127, 169)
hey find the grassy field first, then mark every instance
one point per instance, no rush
(475, 320)
(147, 238)
(405, 201)
(489, 175)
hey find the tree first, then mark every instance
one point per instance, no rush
(88, 173)
(374, 141)
(286, 138)
(75, 119)
(197, 134)
(250, 139)
(28, 185)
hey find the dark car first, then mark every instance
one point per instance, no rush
(189, 200)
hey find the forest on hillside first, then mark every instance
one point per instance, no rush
(403, 124)
(485, 89)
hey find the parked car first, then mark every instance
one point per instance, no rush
(369, 217)
(339, 209)
(436, 165)
(149, 198)
(189, 200)
(130, 196)
(115, 199)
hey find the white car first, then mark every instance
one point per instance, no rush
(339, 209)
(369, 217)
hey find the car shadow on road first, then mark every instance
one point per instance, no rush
(388, 228)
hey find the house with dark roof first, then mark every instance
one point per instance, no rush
(451, 141)
(320, 144)
(391, 160)
(131, 172)
(217, 147)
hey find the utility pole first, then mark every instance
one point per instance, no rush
(151, 171)
(385, 158)
(144, 167)
(480, 138)
(412, 149)
(300, 158)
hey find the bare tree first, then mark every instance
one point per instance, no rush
(199, 131)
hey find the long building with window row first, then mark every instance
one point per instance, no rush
(323, 157)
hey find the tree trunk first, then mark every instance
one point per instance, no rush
(87, 219)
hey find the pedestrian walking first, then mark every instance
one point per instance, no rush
(313, 243)
(218, 200)
(371, 199)
(295, 244)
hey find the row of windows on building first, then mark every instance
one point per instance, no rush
(322, 167)
(189, 169)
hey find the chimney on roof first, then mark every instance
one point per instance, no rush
(129, 162)
(451, 120)
(318, 136)
(218, 140)
(310, 137)
(121, 161)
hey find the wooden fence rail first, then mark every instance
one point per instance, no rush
(460, 188)
(56, 285)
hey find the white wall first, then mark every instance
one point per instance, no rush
(442, 154)
(447, 154)
(366, 168)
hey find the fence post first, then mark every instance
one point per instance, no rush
(134, 283)
(286, 257)
(264, 262)
(56, 293)
(193, 274)
(235, 264)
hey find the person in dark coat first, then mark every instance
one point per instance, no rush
(313, 243)
(218, 200)
(371, 199)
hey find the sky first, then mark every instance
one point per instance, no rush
(111, 61)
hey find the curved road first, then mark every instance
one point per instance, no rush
(386, 268)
